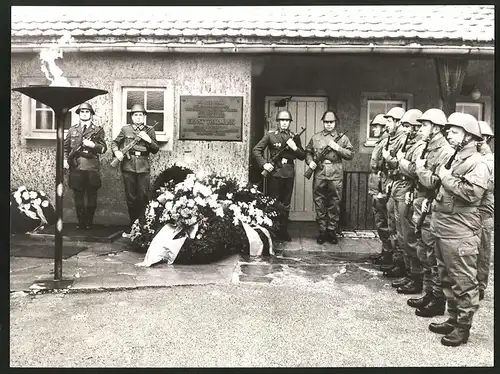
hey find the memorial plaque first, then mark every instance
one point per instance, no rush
(211, 118)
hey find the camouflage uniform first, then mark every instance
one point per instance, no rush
(456, 222)
(85, 177)
(486, 209)
(438, 153)
(136, 168)
(328, 177)
(280, 184)
(406, 178)
(379, 201)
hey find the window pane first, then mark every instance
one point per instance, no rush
(374, 109)
(67, 121)
(155, 100)
(134, 97)
(152, 117)
(44, 119)
(475, 109)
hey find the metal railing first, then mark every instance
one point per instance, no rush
(356, 204)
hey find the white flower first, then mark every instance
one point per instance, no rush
(22, 188)
(154, 204)
(17, 195)
(18, 200)
(168, 206)
(219, 212)
(37, 201)
(199, 201)
(33, 195)
(42, 193)
(190, 203)
(26, 195)
(229, 195)
(253, 190)
(26, 206)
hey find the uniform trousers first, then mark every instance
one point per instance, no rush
(327, 194)
(484, 256)
(136, 192)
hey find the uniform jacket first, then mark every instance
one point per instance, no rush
(455, 212)
(487, 206)
(136, 164)
(87, 158)
(275, 140)
(316, 145)
(396, 142)
(375, 176)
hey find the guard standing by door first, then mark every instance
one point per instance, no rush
(328, 175)
(457, 224)
(85, 142)
(135, 165)
(281, 180)
(487, 209)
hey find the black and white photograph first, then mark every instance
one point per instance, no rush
(252, 186)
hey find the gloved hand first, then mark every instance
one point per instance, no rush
(144, 136)
(425, 206)
(420, 163)
(334, 146)
(268, 167)
(88, 143)
(291, 144)
(65, 164)
(408, 198)
(313, 165)
(443, 172)
(119, 155)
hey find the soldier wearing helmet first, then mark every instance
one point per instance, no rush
(84, 177)
(375, 184)
(486, 209)
(280, 182)
(404, 180)
(328, 176)
(135, 165)
(393, 263)
(456, 222)
(435, 153)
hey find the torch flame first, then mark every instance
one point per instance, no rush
(48, 65)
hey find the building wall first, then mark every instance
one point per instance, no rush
(33, 162)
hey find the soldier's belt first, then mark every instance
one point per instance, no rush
(138, 153)
(455, 209)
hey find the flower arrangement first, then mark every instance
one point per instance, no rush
(30, 210)
(218, 206)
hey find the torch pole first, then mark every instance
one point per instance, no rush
(60, 115)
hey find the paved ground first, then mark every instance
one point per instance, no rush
(310, 306)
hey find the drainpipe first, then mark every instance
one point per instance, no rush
(414, 49)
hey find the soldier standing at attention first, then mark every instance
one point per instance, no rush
(487, 209)
(437, 152)
(328, 175)
(135, 164)
(456, 221)
(396, 140)
(376, 190)
(282, 177)
(84, 177)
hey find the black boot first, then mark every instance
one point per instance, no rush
(395, 272)
(436, 307)
(89, 218)
(443, 328)
(459, 336)
(411, 288)
(401, 282)
(284, 235)
(481, 295)
(421, 301)
(321, 237)
(80, 215)
(384, 259)
(331, 237)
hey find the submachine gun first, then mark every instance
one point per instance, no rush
(72, 155)
(322, 155)
(115, 162)
(428, 205)
(277, 156)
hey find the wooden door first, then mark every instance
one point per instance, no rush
(306, 112)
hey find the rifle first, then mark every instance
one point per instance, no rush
(418, 227)
(276, 157)
(383, 167)
(322, 155)
(115, 162)
(415, 182)
(71, 156)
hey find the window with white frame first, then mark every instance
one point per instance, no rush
(38, 119)
(379, 107)
(156, 95)
(474, 108)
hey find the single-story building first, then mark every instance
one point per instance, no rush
(214, 78)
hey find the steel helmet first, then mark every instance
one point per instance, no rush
(138, 108)
(379, 120)
(284, 114)
(85, 106)
(411, 117)
(434, 115)
(396, 112)
(485, 128)
(465, 121)
(329, 116)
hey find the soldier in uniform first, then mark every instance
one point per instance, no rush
(375, 189)
(486, 209)
(405, 177)
(396, 140)
(84, 177)
(437, 152)
(456, 221)
(280, 182)
(135, 164)
(328, 176)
